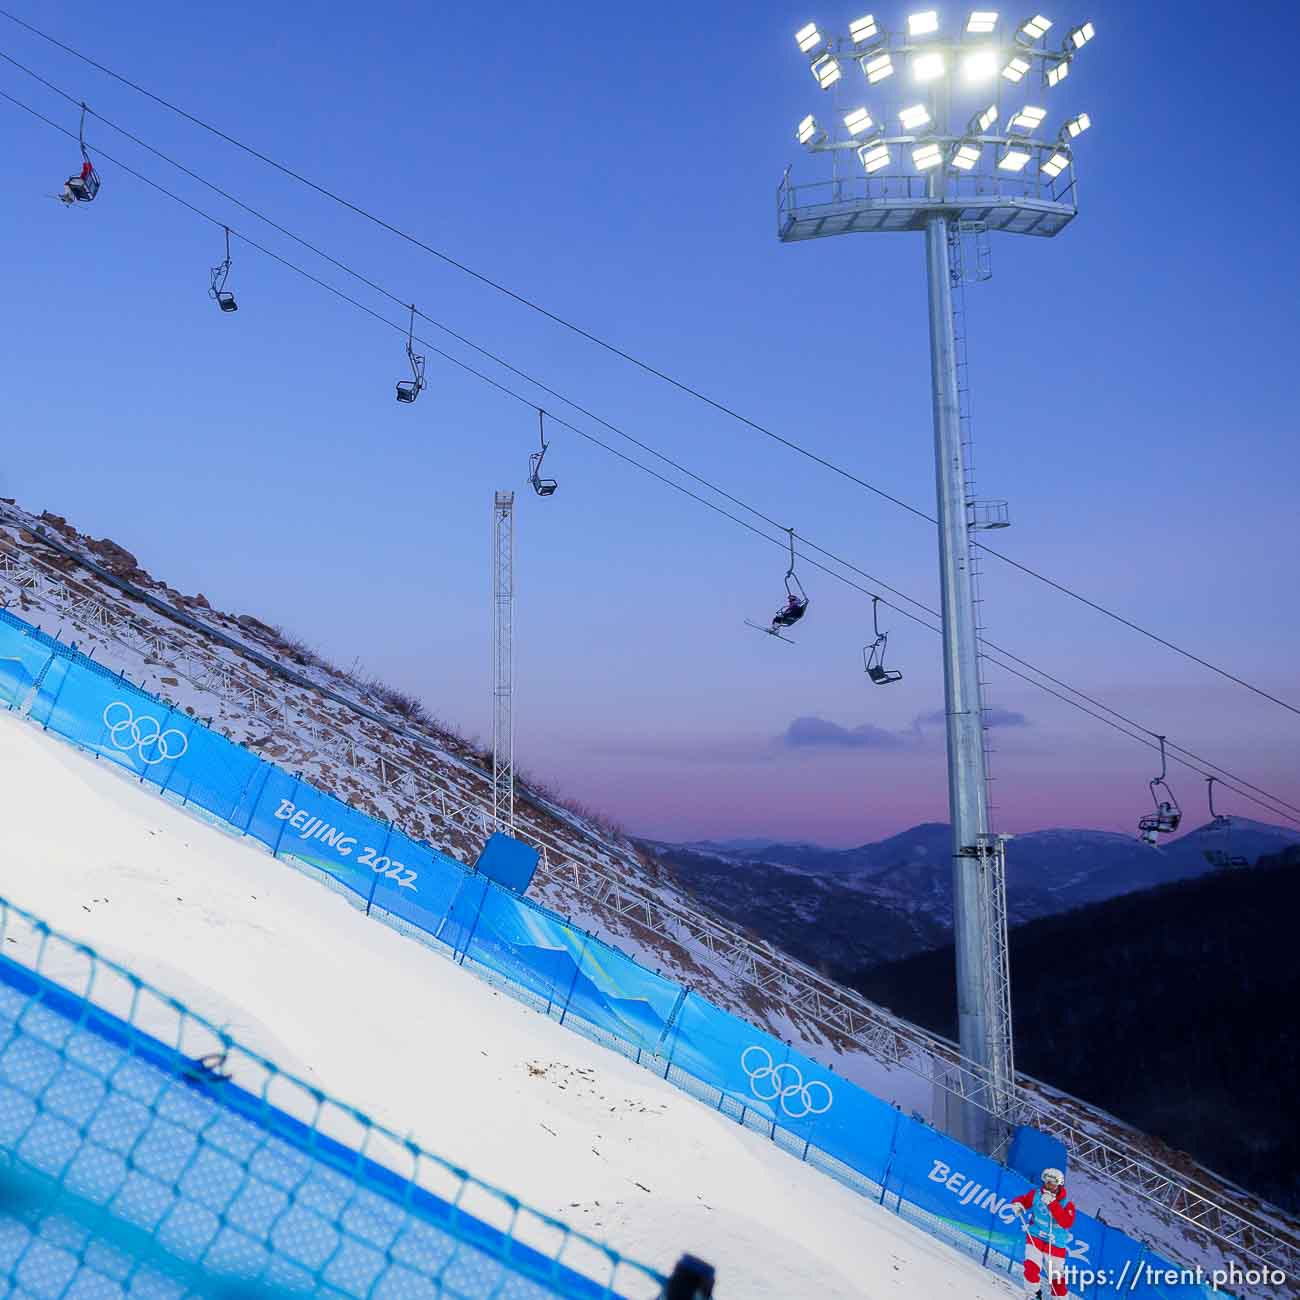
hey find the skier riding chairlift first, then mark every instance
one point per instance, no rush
(796, 602)
(1167, 816)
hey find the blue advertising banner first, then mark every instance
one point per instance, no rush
(537, 950)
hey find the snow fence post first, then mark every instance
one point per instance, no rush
(257, 798)
(374, 884)
(284, 821)
(573, 983)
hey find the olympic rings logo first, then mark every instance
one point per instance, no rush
(783, 1083)
(143, 734)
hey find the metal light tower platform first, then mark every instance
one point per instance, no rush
(898, 164)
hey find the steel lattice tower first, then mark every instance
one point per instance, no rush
(503, 686)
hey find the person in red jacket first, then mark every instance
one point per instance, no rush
(1047, 1216)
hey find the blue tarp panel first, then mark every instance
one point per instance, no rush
(1033, 1151)
(508, 861)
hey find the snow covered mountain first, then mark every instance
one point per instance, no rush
(371, 748)
(849, 908)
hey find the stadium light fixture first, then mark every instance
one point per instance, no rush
(981, 22)
(1016, 68)
(1033, 29)
(928, 67)
(923, 24)
(858, 121)
(864, 30)
(873, 157)
(809, 133)
(1081, 35)
(966, 156)
(878, 68)
(927, 155)
(827, 70)
(984, 120)
(1076, 126)
(1014, 157)
(808, 38)
(1057, 72)
(980, 65)
(1028, 119)
(1056, 164)
(915, 117)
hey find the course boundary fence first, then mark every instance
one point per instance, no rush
(745, 1073)
(144, 1151)
(798, 987)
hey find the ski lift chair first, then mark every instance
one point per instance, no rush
(1221, 825)
(409, 389)
(544, 487)
(217, 290)
(873, 656)
(1167, 816)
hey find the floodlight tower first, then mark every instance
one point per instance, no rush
(899, 166)
(503, 684)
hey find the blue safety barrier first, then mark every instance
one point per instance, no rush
(130, 1169)
(560, 969)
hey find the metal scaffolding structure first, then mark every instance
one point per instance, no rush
(503, 680)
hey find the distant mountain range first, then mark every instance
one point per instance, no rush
(847, 908)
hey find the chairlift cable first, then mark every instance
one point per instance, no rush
(1190, 761)
(633, 360)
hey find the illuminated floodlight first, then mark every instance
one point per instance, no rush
(1058, 71)
(1016, 68)
(987, 118)
(858, 121)
(1081, 35)
(967, 156)
(808, 38)
(1033, 29)
(980, 65)
(1056, 164)
(827, 71)
(926, 67)
(873, 157)
(981, 22)
(1028, 119)
(1013, 158)
(864, 29)
(879, 68)
(923, 24)
(809, 132)
(915, 117)
(925, 156)
(1076, 126)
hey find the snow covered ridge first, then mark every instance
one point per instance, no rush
(302, 717)
(146, 1147)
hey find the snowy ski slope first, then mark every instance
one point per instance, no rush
(426, 1048)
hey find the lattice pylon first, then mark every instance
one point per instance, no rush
(503, 685)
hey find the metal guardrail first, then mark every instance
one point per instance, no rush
(777, 976)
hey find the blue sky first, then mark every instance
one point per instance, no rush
(1133, 391)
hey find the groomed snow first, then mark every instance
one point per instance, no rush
(385, 1024)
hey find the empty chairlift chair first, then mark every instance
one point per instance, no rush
(544, 487)
(1220, 829)
(409, 389)
(217, 290)
(873, 655)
